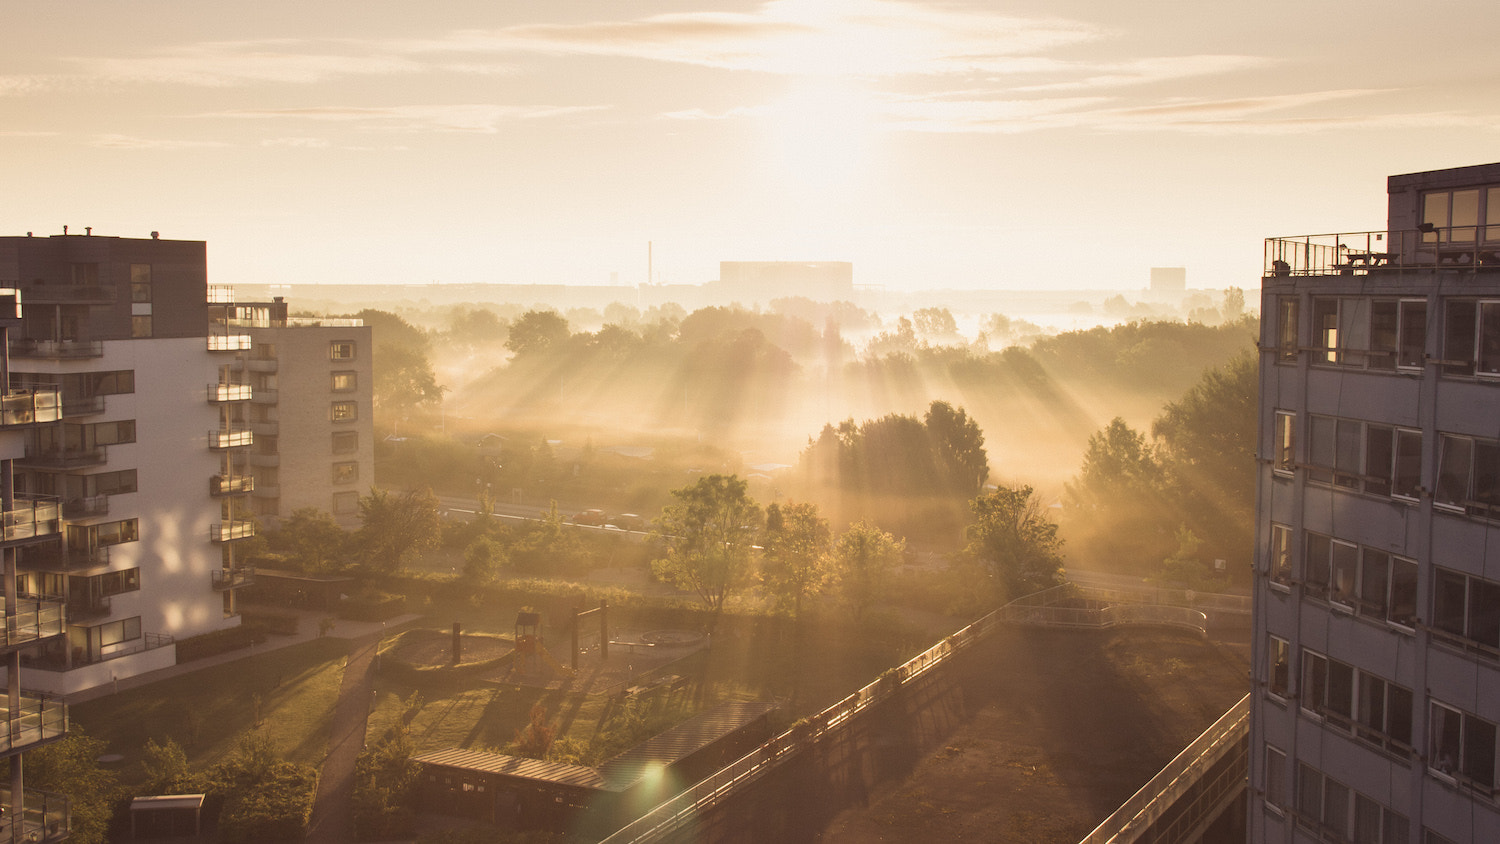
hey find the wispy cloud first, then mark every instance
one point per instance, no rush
(481, 118)
(132, 142)
(220, 63)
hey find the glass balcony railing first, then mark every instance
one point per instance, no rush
(36, 719)
(224, 580)
(231, 530)
(1360, 253)
(45, 818)
(29, 407)
(232, 437)
(84, 508)
(228, 392)
(230, 484)
(58, 557)
(56, 349)
(229, 342)
(32, 516)
(31, 620)
(65, 458)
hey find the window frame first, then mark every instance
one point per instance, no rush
(346, 472)
(1468, 769)
(350, 377)
(343, 411)
(345, 442)
(342, 350)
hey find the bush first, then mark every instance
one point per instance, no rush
(372, 605)
(259, 797)
(218, 642)
(281, 624)
(385, 782)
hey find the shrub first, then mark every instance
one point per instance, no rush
(218, 642)
(372, 605)
(385, 781)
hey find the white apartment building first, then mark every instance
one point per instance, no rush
(1376, 705)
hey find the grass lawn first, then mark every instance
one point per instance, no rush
(207, 711)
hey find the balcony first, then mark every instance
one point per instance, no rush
(236, 578)
(82, 405)
(63, 558)
(39, 718)
(56, 349)
(55, 659)
(231, 530)
(228, 392)
(32, 621)
(229, 342)
(32, 517)
(1363, 253)
(65, 458)
(84, 508)
(29, 407)
(264, 396)
(45, 818)
(88, 606)
(41, 293)
(219, 485)
(234, 436)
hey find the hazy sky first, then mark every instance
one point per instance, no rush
(1072, 143)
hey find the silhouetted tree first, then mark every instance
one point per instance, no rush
(395, 525)
(537, 332)
(1015, 540)
(863, 558)
(959, 445)
(312, 540)
(709, 535)
(795, 563)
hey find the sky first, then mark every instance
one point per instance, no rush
(971, 145)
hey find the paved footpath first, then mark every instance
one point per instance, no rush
(333, 808)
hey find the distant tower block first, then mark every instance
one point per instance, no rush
(1168, 279)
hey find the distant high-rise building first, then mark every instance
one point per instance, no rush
(762, 281)
(1376, 707)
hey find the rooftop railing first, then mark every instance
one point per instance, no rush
(45, 818)
(1360, 253)
(327, 322)
(29, 407)
(38, 718)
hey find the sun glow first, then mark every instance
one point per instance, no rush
(822, 133)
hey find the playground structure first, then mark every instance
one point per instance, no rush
(530, 649)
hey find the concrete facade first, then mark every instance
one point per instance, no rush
(1377, 609)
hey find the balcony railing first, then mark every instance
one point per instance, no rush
(63, 558)
(32, 516)
(56, 349)
(28, 407)
(38, 718)
(228, 392)
(338, 322)
(45, 818)
(229, 342)
(65, 458)
(231, 530)
(32, 620)
(230, 484)
(235, 578)
(64, 294)
(49, 660)
(82, 405)
(232, 437)
(257, 364)
(220, 294)
(83, 508)
(88, 606)
(1360, 253)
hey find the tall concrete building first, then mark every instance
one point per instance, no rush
(1377, 608)
(153, 459)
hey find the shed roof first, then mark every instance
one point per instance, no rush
(167, 801)
(514, 766)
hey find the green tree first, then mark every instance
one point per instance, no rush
(795, 561)
(863, 559)
(396, 525)
(536, 333)
(548, 547)
(1015, 541)
(709, 535)
(404, 380)
(482, 560)
(312, 540)
(70, 767)
(959, 446)
(1117, 507)
(385, 784)
(165, 767)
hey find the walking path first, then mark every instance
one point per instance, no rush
(333, 808)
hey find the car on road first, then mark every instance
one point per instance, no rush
(626, 521)
(589, 517)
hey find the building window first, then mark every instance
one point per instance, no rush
(140, 326)
(1286, 329)
(343, 382)
(140, 282)
(1280, 659)
(88, 384)
(1455, 216)
(1468, 475)
(1373, 582)
(1280, 564)
(1466, 608)
(86, 537)
(341, 350)
(118, 632)
(1383, 714)
(1398, 333)
(1366, 457)
(343, 411)
(1471, 337)
(107, 584)
(345, 503)
(1275, 777)
(1462, 747)
(1283, 459)
(1337, 811)
(345, 473)
(345, 442)
(1329, 566)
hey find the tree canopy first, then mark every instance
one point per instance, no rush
(1016, 541)
(709, 534)
(396, 524)
(864, 558)
(795, 563)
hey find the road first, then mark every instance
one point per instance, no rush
(469, 507)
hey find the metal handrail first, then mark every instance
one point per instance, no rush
(1357, 253)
